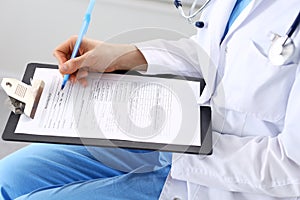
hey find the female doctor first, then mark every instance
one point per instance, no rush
(254, 94)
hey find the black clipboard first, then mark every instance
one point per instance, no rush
(205, 112)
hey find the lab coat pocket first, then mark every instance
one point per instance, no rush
(253, 86)
(264, 53)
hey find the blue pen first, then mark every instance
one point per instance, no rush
(83, 30)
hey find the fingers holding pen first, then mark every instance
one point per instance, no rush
(77, 68)
(63, 52)
(72, 65)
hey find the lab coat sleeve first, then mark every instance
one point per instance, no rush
(254, 164)
(172, 57)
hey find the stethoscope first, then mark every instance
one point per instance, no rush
(282, 48)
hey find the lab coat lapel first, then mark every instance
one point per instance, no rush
(216, 26)
(241, 18)
(217, 23)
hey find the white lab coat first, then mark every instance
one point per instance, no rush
(256, 106)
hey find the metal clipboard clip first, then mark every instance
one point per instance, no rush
(24, 98)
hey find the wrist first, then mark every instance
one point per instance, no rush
(130, 58)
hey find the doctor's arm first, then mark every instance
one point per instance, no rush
(170, 57)
(254, 164)
(97, 56)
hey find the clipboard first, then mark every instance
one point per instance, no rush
(206, 132)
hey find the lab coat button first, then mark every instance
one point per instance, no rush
(226, 50)
(176, 198)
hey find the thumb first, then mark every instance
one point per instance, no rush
(72, 65)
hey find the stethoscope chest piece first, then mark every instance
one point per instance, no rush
(281, 50)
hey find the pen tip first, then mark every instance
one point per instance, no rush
(62, 87)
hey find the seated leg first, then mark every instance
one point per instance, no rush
(41, 166)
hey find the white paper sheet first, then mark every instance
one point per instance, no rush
(123, 107)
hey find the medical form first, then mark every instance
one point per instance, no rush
(117, 107)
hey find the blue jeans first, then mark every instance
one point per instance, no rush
(48, 171)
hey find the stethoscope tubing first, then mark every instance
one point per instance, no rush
(189, 17)
(294, 26)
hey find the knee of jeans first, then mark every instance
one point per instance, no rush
(4, 181)
(3, 194)
(11, 183)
